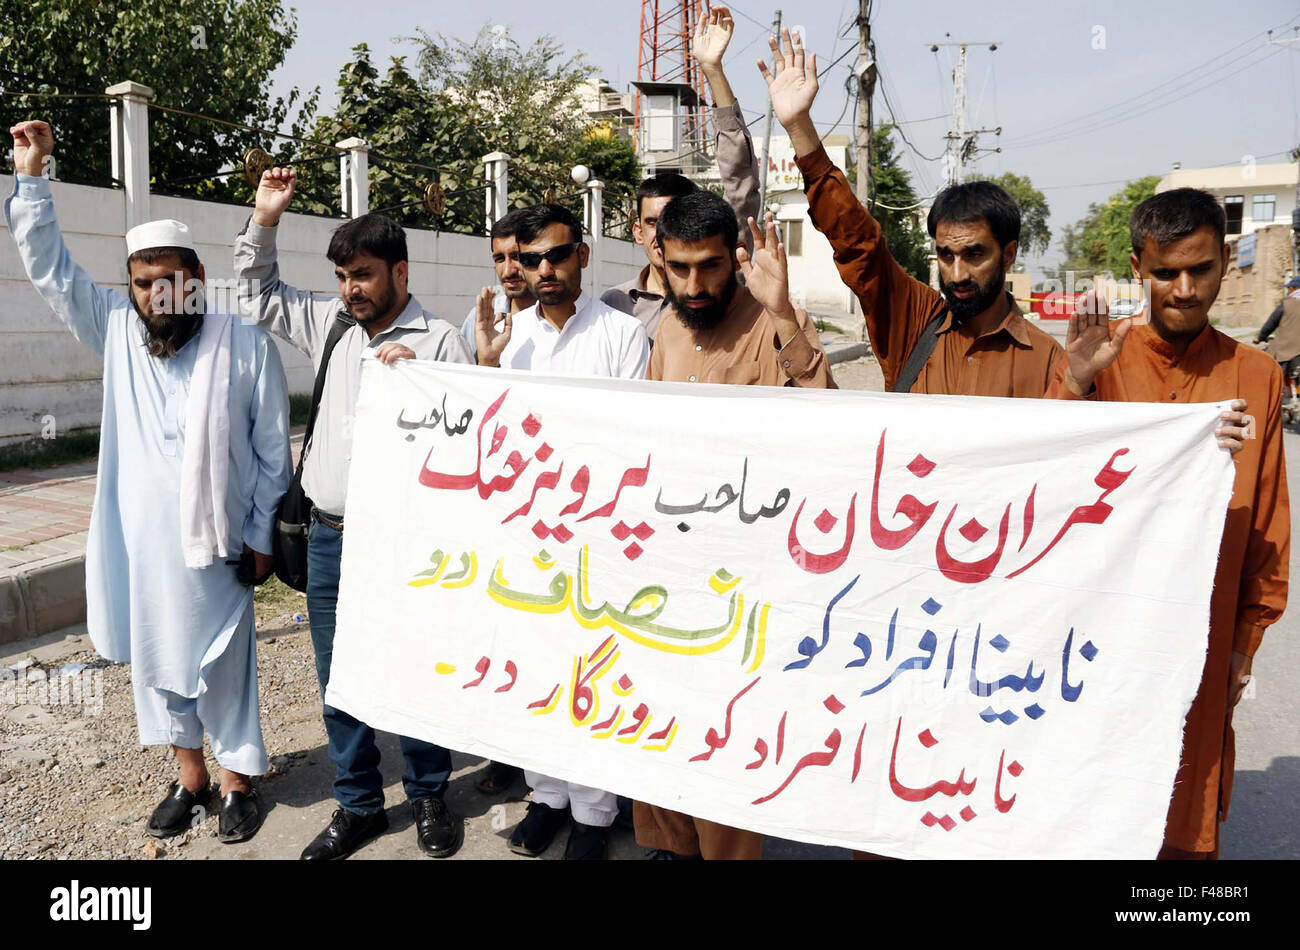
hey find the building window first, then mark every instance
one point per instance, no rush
(1233, 205)
(792, 237)
(1263, 207)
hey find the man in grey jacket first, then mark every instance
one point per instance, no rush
(370, 263)
(643, 296)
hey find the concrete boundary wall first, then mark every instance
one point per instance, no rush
(44, 372)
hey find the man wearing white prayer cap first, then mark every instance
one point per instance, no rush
(193, 460)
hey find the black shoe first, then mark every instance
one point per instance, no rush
(439, 831)
(346, 832)
(663, 854)
(240, 818)
(586, 843)
(497, 778)
(175, 813)
(533, 835)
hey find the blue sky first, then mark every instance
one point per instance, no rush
(1191, 81)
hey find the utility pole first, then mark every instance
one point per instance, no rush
(767, 135)
(1292, 42)
(1295, 221)
(865, 71)
(962, 142)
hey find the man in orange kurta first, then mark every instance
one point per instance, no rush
(1178, 246)
(979, 342)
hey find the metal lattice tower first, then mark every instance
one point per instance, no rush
(665, 68)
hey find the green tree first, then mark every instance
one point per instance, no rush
(1035, 235)
(213, 57)
(1099, 241)
(460, 102)
(612, 158)
(904, 230)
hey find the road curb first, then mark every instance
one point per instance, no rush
(42, 597)
(843, 352)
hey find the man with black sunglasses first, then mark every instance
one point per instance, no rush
(565, 333)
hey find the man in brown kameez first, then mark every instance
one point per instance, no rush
(1178, 247)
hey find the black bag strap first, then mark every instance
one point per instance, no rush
(340, 326)
(919, 355)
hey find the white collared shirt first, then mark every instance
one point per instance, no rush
(596, 341)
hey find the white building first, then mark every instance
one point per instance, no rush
(814, 281)
(1253, 196)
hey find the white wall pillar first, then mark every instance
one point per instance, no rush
(130, 139)
(595, 207)
(496, 169)
(355, 176)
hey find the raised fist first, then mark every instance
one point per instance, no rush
(274, 192)
(33, 147)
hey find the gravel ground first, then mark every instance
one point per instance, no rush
(75, 783)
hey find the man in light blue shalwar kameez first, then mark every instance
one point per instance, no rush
(186, 630)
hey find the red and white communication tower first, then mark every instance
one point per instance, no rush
(672, 123)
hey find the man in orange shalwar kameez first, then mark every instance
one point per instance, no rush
(1178, 247)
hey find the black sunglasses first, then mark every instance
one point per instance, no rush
(531, 260)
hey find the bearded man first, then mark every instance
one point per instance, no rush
(374, 311)
(968, 340)
(193, 459)
(719, 330)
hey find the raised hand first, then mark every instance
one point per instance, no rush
(767, 276)
(488, 340)
(33, 146)
(711, 39)
(274, 192)
(792, 84)
(1089, 346)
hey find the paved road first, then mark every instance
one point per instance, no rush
(1264, 821)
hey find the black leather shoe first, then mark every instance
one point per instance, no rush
(240, 818)
(345, 833)
(175, 813)
(439, 831)
(533, 835)
(586, 843)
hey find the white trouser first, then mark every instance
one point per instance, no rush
(590, 806)
(226, 710)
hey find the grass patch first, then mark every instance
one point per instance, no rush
(825, 326)
(299, 408)
(275, 597)
(46, 453)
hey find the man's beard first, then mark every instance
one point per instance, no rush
(556, 298)
(166, 333)
(985, 296)
(702, 318)
(380, 306)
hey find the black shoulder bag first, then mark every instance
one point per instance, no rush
(289, 541)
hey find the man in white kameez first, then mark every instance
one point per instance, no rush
(565, 333)
(194, 457)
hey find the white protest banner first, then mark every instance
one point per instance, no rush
(919, 626)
